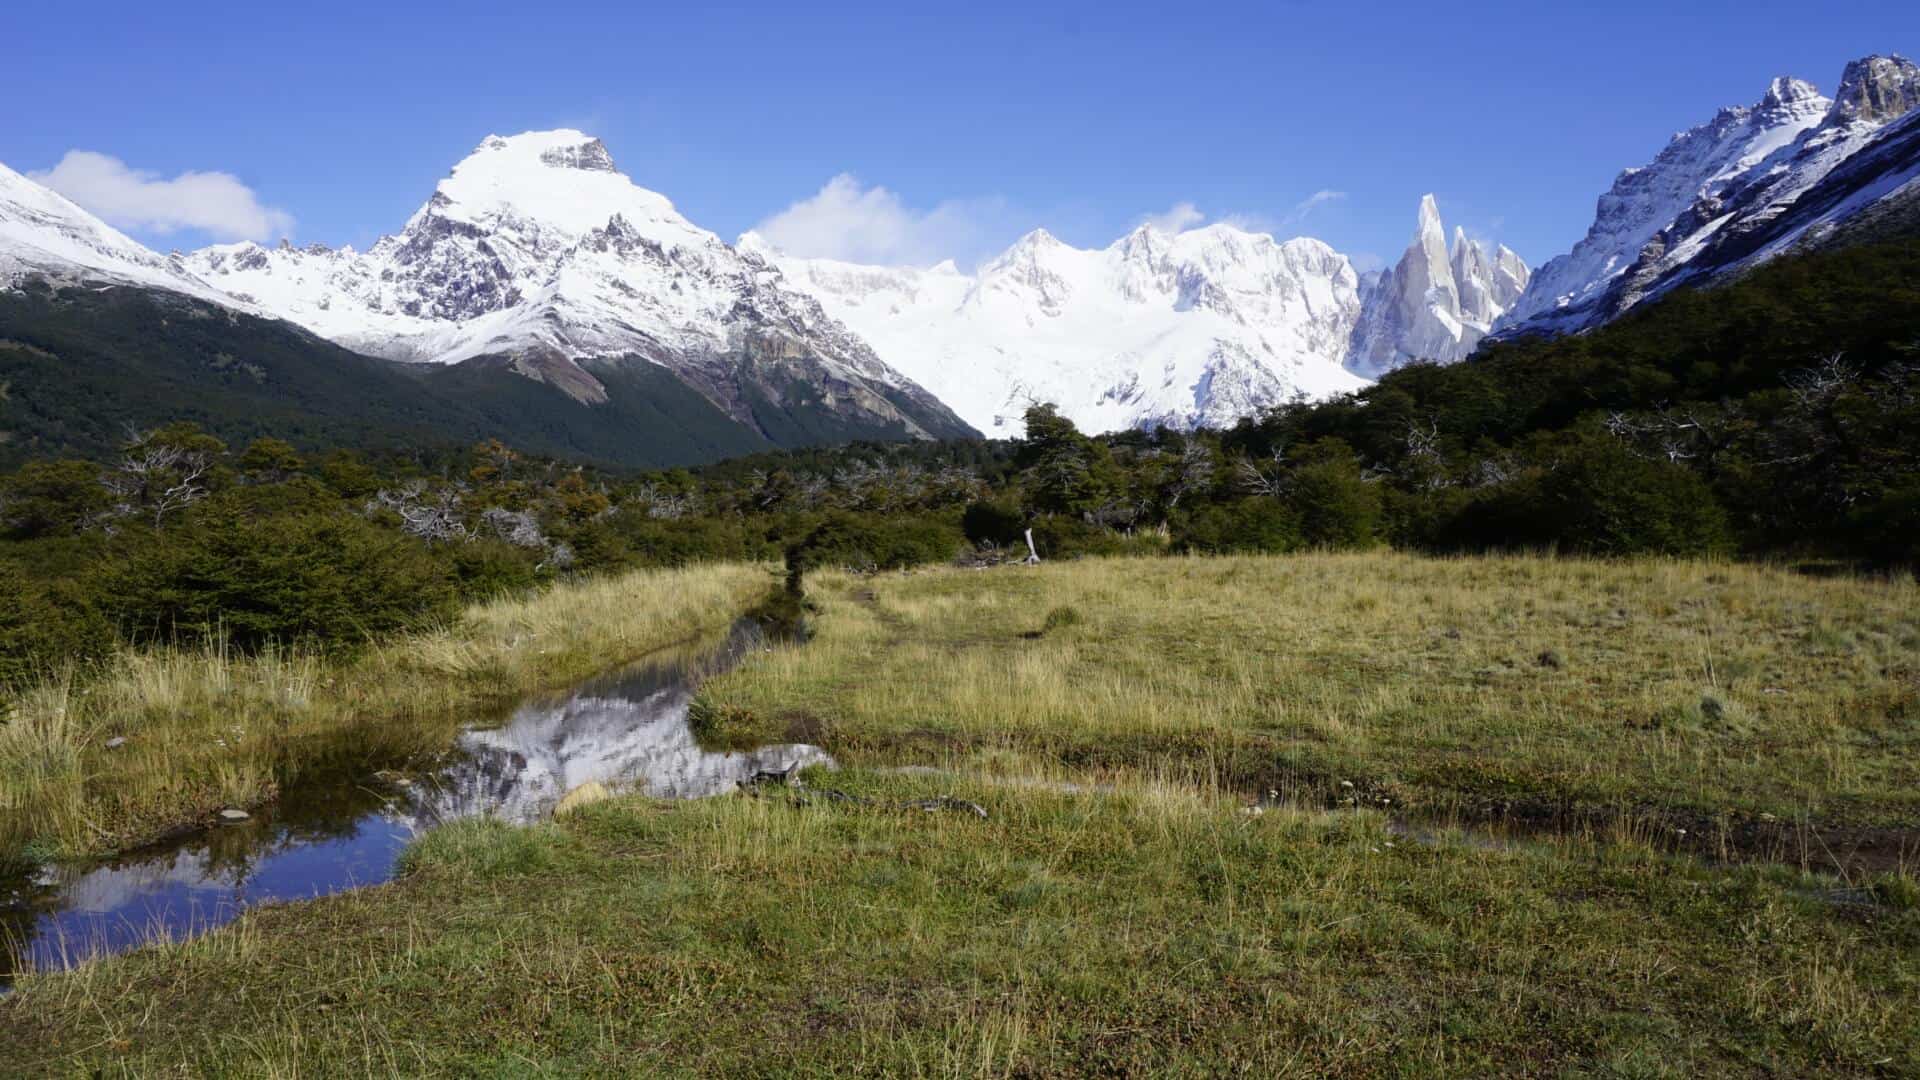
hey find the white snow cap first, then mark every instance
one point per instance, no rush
(1202, 326)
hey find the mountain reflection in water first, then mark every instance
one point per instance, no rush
(627, 731)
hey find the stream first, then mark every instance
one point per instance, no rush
(627, 730)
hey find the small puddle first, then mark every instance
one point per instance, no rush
(627, 730)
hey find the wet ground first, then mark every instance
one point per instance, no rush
(627, 730)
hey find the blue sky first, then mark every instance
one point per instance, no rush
(979, 120)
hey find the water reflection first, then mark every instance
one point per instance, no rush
(628, 731)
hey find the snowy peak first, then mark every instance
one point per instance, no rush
(1876, 89)
(1430, 223)
(1510, 277)
(1473, 281)
(1727, 194)
(1159, 327)
(547, 187)
(1686, 177)
(1786, 100)
(537, 250)
(1434, 304)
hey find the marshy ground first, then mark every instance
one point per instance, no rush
(1136, 901)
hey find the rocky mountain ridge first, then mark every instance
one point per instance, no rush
(1749, 184)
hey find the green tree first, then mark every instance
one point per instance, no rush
(1334, 502)
(1256, 524)
(45, 624)
(1605, 499)
(268, 460)
(52, 498)
(332, 579)
(348, 475)
(1065, 472)
(164, 471)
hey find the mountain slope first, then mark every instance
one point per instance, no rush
(1748, 185)
(1199, 327)
(81, 364)
(537, 254)
(44, 235)
(98, 333)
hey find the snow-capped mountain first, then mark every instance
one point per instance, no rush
(43, 234)
(535, 250)
(1747, 185)
(1435, 304)
(1197, 327)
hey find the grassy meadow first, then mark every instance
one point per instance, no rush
(1157, 928)
(202, 729)
(1667, 690)
(1132, 904)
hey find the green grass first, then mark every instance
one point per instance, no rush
(1687, 691)
(1159, 928)
(204, 729)
(1125, 908)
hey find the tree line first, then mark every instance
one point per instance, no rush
(1778, 416)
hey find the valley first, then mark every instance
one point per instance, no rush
(963, 625)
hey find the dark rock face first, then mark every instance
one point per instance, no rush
(1878, 89)
(591, 156)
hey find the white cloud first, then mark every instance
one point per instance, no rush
(846, 221)
(1185, 216)
(1177, 218)
(1313, 202)
(214, 202)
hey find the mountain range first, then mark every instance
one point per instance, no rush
(1787, 173)
(540, 295)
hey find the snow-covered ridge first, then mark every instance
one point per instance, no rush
(1197, 327)
(532, 241)
(1717, 198)
(537, 253)
(44, 234)
(538, 249)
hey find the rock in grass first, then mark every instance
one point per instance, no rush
(116, 742)
(590, 792)
(231, 814)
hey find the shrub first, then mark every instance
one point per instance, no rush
(986, 522)
(1060, 618)
(1334, 503)
(484, 569)
(1606, 500)
(1057, 537)
(872, 541)
(51, 498)
(44, 624)
(658, 542)
(1249, 525)
(327, 579)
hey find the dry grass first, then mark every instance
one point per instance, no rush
(1122, 909)
(205, 729)
(1710, 687)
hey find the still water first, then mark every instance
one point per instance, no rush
(627, 730)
